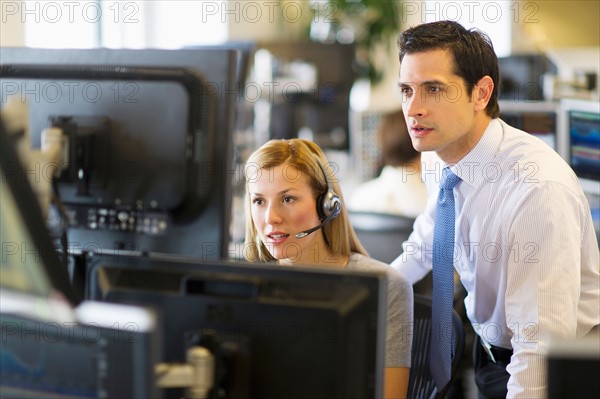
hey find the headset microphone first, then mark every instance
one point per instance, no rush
(329, 205)
(304, 233)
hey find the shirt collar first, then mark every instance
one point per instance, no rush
(472, 167)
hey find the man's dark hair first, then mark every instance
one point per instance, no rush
(473, 52)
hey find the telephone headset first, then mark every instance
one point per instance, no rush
(329, 205)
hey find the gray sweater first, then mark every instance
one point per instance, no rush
(400, 310)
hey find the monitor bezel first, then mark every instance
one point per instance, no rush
(31, 214)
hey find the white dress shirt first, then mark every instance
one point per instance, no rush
(526, 249)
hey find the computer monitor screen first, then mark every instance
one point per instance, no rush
(584, 129)
(68, 359)
(277, 332)
(149, 137)
(581, 131)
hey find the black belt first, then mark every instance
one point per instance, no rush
(495, 353)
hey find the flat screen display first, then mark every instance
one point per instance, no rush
(584, 133)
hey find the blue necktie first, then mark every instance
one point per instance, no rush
(442, 349)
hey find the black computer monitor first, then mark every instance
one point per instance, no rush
(540, 119)
(50, 344)
(245, 52)
(521, 77)
(277, 332)
(150, 142)
(573, 367)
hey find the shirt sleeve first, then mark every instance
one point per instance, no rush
(543, 281)
(414, 262)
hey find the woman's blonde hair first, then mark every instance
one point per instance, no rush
(309, 160)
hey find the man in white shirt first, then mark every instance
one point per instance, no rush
(525, 246)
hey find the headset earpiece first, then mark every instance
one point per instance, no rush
(329, 204)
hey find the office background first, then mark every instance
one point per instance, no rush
(565, 34)
(520, 26)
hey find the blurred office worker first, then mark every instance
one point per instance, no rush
(398, 189)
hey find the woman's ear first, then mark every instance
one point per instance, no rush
(482, 92)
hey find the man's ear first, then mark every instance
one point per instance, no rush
(483, 92)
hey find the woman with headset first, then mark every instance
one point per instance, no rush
(294, 215)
